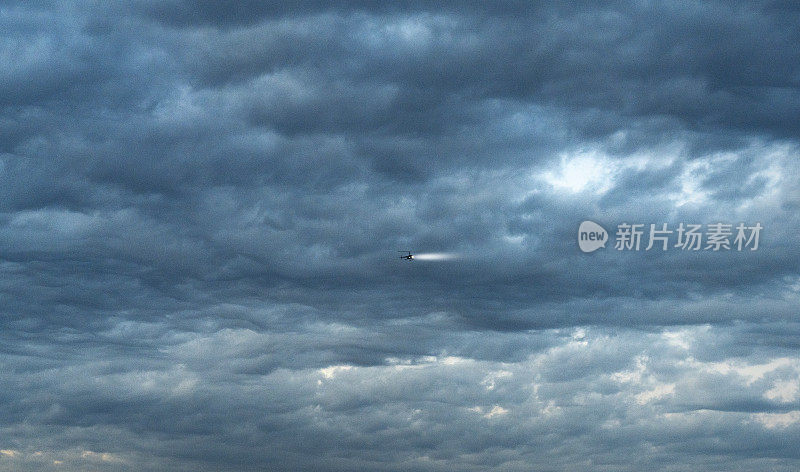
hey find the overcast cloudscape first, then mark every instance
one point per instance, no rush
(201, 204)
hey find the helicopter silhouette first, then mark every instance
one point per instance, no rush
(408, 256)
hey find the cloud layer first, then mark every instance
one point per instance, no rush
(200, 208)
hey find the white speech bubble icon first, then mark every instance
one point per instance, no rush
(591, 236)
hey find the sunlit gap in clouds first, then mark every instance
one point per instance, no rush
(436, 256)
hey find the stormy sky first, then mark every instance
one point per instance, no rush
(201, 205)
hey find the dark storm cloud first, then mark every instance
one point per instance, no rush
(200, 204)
(706, 65)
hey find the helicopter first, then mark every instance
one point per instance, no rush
(408, 256)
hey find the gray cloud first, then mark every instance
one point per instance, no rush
(200, 207)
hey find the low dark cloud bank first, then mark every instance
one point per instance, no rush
(201, 204)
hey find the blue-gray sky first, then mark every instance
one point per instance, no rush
(201, 204)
